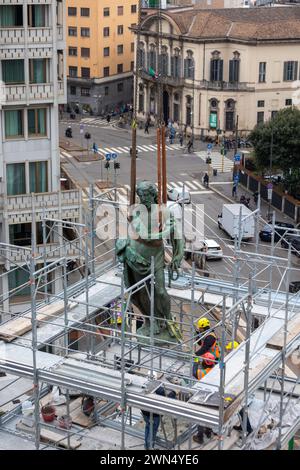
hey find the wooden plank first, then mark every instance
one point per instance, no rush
(48, 435)
(19, 326)
(276, 342)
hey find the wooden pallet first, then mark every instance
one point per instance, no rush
(49, 435)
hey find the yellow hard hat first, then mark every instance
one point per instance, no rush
(196, 359)
(229, 345)
(203, 322)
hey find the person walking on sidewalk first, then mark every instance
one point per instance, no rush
(206, 180)
(234, 191)
(181, 139)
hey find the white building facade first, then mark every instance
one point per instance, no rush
(215, 65)
(33, 86)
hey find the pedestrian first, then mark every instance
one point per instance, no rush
(190, 144)
(206, 180)
(234, 191)
(146, 130)
(155, 423)
(181, 139)
(108, 118)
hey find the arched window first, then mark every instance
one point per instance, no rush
(164, 61)
(189, 66)
(216, 67)
(189, 104)
(141, 98)
(141, 55)
(176, 64)
(234, 68)
(229, 115)
(152, 100)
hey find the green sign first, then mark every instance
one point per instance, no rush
(213, 120)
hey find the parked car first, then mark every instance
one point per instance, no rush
(178, 194)
(212, 249)
(282, 228)
(294, 287)
(288, 239)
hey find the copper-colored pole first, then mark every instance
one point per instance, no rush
(164, 165)
(133, 167)
(158, 166)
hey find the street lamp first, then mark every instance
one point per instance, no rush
(192, 67)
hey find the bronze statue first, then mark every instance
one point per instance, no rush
(136, 254)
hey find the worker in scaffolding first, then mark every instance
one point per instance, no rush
(207, 343)
(202, 366)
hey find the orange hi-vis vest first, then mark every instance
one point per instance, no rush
(202, 372)
(215, 348)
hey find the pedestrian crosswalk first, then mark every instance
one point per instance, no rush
(141, 148)
(194, 187)
(222, 164)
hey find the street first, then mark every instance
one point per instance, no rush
(182, 169)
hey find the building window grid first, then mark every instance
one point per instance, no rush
(85, 32)
(106, 31)
(72, 31)
(72, 11)
(85, 12)
(260, 104)
(290, 70)
(120, 49)
(133, 8)
(106, 11)
(262, 72)
(85, 52)
(106, 71)
(120, 10)
(120, 29)
(73, 51)
(106, 51)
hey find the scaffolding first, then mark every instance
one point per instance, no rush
(121, 369)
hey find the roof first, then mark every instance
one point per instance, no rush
(249, 24)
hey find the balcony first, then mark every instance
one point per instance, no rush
(12, 36)
(20, 2)
(53, 251)
(224, 86)
(23, 202)
(168, 80)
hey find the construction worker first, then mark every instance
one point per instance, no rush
(208, 362)
(210, 342)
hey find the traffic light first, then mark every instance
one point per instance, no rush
(208, 160)
(116, 165)
(107, 165)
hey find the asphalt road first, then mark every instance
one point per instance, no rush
(181, 168)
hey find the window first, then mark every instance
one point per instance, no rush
(106, 11)
(13, 71)
(120, 29)
(72, 31)
(20, 234)
(164, 62)
(120, 11)
(189, 66)
(72, 11)
(37, 122)
(106, 91)
(141, 98)
(273, 114)
(132, 65)
(85, 92)
(13, 123)
(85, 72)
(106, 31)
(15, 178)
(133, 9)
(288, 102)
(120, 49)
(260, 104)
(176, 64)
(132, 47)
(36, 16)
(37, 71)
(73, 51)
(216, 70)
(234, 70)
(84, 11)
(11, 15)
(260, 117)
(85, 32)
(120, 68)
(106, 72)
(188, 109)
(152, 57)
(38, 177)
(229, 115)
(262, 72)
(85, 52)
(73, 72)
(106, 51)
(120, 87)
(290, 71)
(17, 277)
(72, 90)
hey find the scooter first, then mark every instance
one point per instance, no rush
(68, 132)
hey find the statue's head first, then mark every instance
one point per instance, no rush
(147, 193)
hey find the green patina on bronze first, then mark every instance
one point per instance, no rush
(136, 255)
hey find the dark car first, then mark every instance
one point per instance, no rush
(266, 233)
(288, 239)
(294, 287)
